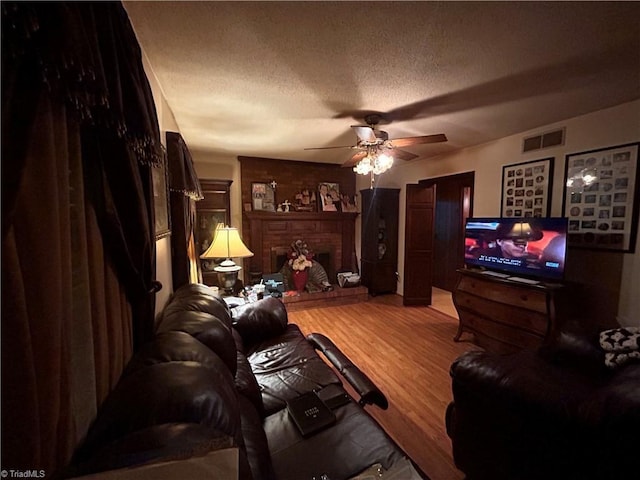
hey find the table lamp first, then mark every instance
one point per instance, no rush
(227, 244)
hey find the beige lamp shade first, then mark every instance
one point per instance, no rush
(227, 244)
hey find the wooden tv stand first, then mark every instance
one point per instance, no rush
(505, 315)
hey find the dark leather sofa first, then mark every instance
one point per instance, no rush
(553, 413)
(215, 378)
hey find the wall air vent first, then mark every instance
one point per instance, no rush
(544, 140)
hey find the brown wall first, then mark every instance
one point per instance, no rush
(292, 176)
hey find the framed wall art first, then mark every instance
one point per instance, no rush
(161, 198)
(329, 197)
(600, 198)
(263, 197)
(526, 189)
(305, 200)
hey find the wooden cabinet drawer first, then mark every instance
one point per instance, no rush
(516, 296)
(504, 315)
(530, 320)
(504, 333)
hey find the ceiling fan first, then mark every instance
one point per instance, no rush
(373, 142)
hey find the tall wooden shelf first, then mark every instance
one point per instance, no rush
(379, 242)
(214, 208)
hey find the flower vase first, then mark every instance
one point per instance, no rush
(300, 278)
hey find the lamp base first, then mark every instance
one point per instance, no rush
(227, 276)
(227, 281)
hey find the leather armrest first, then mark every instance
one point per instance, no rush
(368, 391)
(523, 380)
(574, 350)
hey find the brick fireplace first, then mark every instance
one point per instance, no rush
(330, 235)
(322, 254)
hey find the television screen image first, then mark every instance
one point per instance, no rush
(529, 247)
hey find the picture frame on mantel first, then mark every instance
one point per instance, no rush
(329, 197)
(600, 198)
(305, 200)
(526, 189)
(263, 197)
(161, 198)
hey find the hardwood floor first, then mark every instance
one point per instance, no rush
(407, 352)
(441, 301)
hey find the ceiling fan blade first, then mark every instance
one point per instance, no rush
(355, 159)
(408, 141)
(328, 148)
(366, 134)
(403, 154)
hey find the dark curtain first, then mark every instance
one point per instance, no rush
(79, 138)
(184, 191)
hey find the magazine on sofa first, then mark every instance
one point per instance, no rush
(309, 413)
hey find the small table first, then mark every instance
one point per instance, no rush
(233, 301)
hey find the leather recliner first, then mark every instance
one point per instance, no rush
(553, 413)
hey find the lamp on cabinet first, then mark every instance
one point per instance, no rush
(227, 244)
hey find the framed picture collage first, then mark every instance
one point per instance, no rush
(600, 197)
(526, 189)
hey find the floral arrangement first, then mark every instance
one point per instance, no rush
(300, 256)
(300, 263)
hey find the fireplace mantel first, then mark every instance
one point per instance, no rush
(319, 229)
(295, 216)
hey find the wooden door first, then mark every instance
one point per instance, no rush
(418, 253)
(452, 207)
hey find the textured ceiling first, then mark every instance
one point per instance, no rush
(272, 78)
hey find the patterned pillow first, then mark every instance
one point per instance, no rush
(615, 359)
(621, 345)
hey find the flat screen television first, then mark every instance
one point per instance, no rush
(532, 248)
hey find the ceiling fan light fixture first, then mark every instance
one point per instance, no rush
(382, 163)
(364, 166)
(376, 163)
